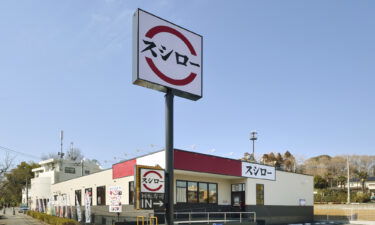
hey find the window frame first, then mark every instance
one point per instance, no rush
(257, 200)
(67, 168)
(103, 201)
(241, 185)
(198, 192)
(131, 190)
(77, 194)
(216, 194)
(84, 193)
(185, 187)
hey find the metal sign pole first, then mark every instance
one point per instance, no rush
(169, 200)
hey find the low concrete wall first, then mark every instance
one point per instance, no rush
(345, 212)
(283, 214)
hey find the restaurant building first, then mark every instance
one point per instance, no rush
(204, 183)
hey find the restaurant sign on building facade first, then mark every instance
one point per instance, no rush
(254, 170)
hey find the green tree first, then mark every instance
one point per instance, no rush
(15, 181)
(362, 175)
(341, 180)
(320, 182)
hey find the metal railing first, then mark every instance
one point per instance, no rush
(208, 217)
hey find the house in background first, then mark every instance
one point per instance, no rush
(56, 170)
(355, 183)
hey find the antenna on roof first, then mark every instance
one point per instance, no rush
(61, 154)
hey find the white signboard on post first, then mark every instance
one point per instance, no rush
(115, 193)
(259, 171)
(152, 181)
(166, 56)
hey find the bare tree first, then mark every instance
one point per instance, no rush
(74, 154)
(50, 156)
(6, 163)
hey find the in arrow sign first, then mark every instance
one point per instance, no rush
(160, 203)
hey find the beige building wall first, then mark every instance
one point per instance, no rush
(103, 178)
(287, 190)
(43, 190)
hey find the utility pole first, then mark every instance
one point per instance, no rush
(347, 165)
(253, 137)
(82, 167)
(27, 193)
(169, 192)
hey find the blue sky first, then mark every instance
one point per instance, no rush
(301, 73)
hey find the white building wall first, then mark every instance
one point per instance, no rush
(103, 178)
(50, 174)
(288, 189)
(157, 158)
(40, 188)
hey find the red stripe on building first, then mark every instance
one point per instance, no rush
(206, 163)
(123, 169)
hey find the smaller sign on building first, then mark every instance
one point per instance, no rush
(152, 200)
(115, 193)
(151, 186)
(258, 171)
(152, 181)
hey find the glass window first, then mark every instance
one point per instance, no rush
(131, 192)
(238, 187)
(203, 192)
(89, 190)
(78, 196)
(100, 195)
(87, 172)
(70, 170)
(260, 194)
(181, 191)
(192, 192)
(195, 192)
(212, 189)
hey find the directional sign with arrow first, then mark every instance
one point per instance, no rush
(152, 200)
(151, 184)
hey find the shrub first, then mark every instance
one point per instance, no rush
(362, 197)
(53, 220)
(340, 196)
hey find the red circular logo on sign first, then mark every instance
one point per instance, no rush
(178, 82)
(149, 188)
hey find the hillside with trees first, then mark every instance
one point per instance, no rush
(330, 173)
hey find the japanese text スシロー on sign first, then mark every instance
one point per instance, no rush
(166, 56)
(152, 181)
(254, 170)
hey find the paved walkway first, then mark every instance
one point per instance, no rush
(18, 219)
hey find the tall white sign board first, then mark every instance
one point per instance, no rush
(115, 193)
(258, 171)
(166, 56)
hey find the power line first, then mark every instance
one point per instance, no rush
(18, 152)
